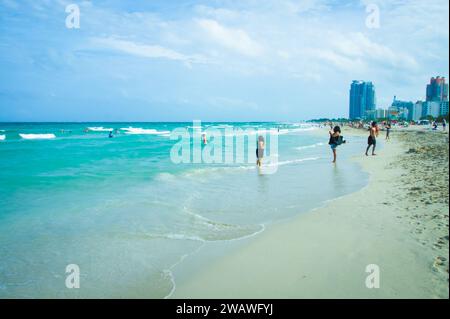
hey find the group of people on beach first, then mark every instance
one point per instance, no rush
(337, 139)
(435, 125)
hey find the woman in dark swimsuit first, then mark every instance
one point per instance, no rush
(334, 140)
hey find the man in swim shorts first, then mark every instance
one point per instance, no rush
(372, 140)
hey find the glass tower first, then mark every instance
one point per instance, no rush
(362, 99)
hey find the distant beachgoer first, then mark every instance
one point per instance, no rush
(388, 131)
(372, 140)
(335, 140)
(444, 124)
(260, 150)
(205, 141)
(435, 125)
(111, 134)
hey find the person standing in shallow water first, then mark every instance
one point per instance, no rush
(372, 139)
(260, 151)
(335, 133)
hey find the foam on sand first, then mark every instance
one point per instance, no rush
(100, 129)
(37, 136)
(142, 131)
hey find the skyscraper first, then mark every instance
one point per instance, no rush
(437, 90)
(417, 112)
(404, 109)
(437, 98)
(362, 99)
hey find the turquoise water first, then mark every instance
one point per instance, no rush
(122, 211)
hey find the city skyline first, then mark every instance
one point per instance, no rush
(216, 61)
(435, 104)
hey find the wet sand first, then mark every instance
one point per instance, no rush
(399, 222)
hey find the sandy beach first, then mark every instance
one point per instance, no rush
(398, 222)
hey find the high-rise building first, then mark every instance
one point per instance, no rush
(431, 108)
(437, 90)
(381, 113)
(393, 113)
(444, 108)
(362, 99)
(404, 109)
(437, 98)
(417, 111)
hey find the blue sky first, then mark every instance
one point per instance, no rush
(219, 60)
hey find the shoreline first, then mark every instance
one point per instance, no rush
(324, 253)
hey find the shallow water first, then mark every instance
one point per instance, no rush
(122, 211)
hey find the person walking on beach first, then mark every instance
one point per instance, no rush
(388, 131)
(444, 124)
(260, 150)
(372, 140)
(335, 140)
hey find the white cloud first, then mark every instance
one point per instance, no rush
(359, 46)
(146, 51)
(348, 64)
(234, 39)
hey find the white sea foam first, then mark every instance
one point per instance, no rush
(142, 131)
(165, 177)
(37, 136)
(183, 237)
(299, 160)
(2, 137)
(268, 163)
(100, 129)
(303, 129)
(247, 131)
(309, 146)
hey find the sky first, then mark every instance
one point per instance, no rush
(216, 60)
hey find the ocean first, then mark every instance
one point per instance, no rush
(124, 213)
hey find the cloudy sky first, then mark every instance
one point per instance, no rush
(219, 60)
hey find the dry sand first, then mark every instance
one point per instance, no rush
(398, 222)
